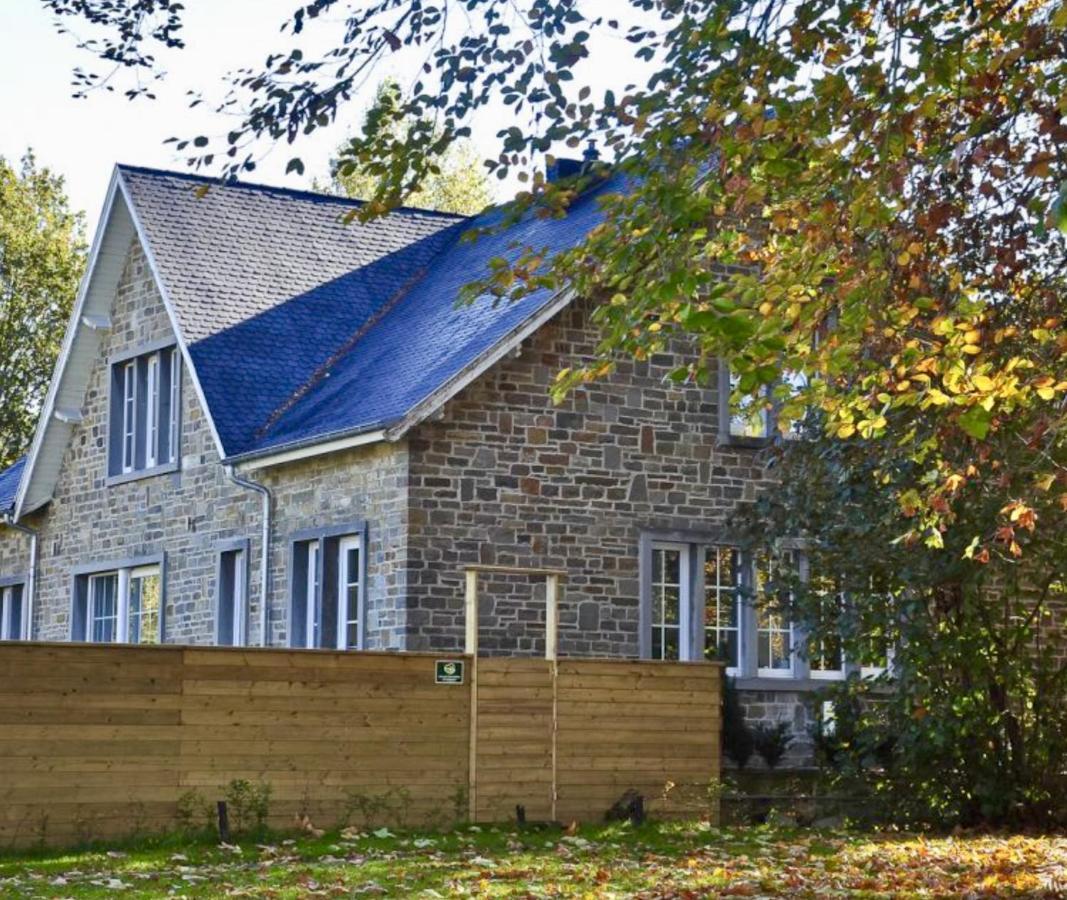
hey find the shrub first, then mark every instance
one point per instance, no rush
(249, 805)
(736, 735)
(771, 742)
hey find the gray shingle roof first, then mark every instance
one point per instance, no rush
(267, 284)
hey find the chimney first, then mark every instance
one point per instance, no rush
(564, 168)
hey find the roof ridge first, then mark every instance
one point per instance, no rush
(296, 193)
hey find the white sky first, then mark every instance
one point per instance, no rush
(83, 139)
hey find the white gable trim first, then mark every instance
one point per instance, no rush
(81, 344)
(433, 403)
(48, 424)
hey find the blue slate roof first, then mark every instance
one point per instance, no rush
(9, 485)
(302, 327)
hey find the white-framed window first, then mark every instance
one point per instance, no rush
(121, 605)
(143, 431)
(12, 613)
(722, 606)
(671, 598)
(879, 661)
(174, 411)
(129, 416)
(103, 616)
(152, 443)
(774, 630)
(774, 644)
(326, 608)
(143, 605)
(314, 628)
(232, 619)
(348, 593)
(752, 417)
(826, 659)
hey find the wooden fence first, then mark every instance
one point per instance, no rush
(100, 742)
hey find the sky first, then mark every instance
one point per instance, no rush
(82, 139)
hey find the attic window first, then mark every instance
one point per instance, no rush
(144, 416)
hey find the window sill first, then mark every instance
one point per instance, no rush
(744, 443)
(125, 477)
(790, 684)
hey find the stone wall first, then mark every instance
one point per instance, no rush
(364, 484)
(505, 477)
(185, 514)
(188, 514)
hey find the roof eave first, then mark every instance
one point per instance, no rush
(435, 400)
(73, 326)
(305, 448)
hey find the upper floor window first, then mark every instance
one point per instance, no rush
(326, 608)
(120, 605)
(12, 612)
(751, 420)
(143, 430)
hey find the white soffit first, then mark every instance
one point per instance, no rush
(80, 348)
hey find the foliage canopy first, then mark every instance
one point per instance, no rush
(42, 254)
(455, 183)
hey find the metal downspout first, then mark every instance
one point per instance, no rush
(264, 557)
(31, 578)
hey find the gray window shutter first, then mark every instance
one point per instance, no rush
(80, 608)
(299, 597)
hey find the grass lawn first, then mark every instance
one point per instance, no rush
(655, 860)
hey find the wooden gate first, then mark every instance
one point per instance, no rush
(565, 739)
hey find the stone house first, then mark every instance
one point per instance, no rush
(269, 426)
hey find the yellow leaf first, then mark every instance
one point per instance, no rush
(983, 382)
(972, 349)
(1046, 393)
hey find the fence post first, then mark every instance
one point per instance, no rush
(471, 649)
(552, 655)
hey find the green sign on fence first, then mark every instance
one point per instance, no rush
(449, 671)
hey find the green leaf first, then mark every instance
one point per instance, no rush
(975, 421)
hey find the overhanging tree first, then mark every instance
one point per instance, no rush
(456, 182)
(884, 181)
(42, 254)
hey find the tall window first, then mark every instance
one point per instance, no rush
(123, 605)
(751, 419)
(722, 607)
(103, 615)
(152, 442)
(144, 606)
(348, 589)
(12, 612)
(327, 592)
(825, 656)
(145, 409)
(774, 630)
(233, 598)
(670, 595)
(129, 417)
